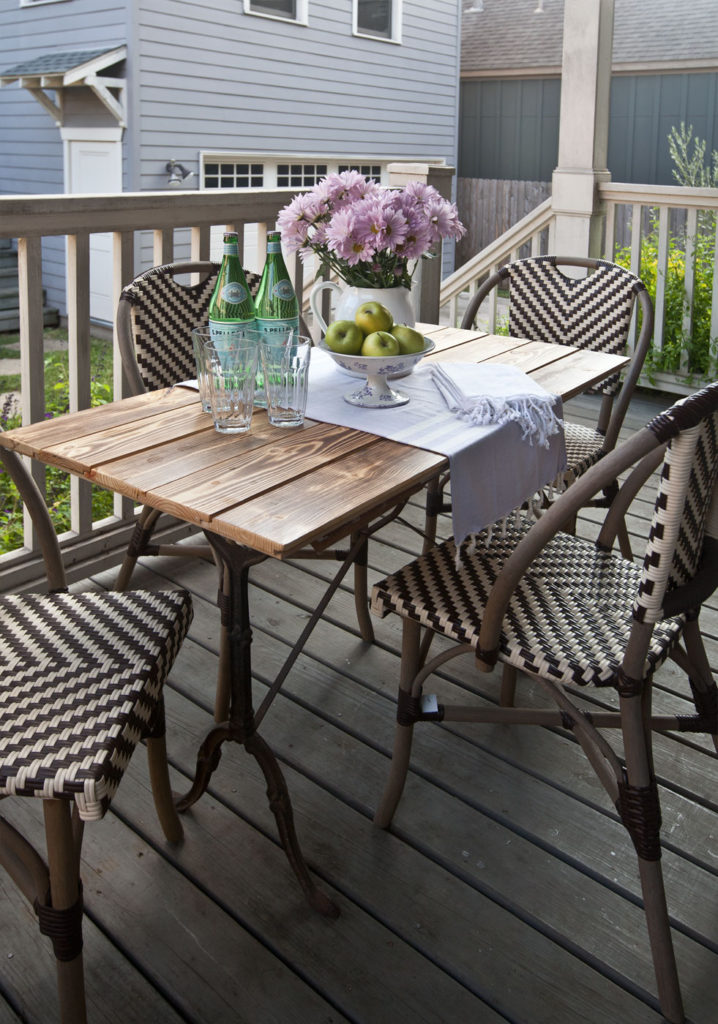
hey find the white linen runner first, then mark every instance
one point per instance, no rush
(495, 466)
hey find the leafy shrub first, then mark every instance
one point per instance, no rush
(57, 401)
(691, 352)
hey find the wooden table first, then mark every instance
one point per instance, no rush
(277, 493)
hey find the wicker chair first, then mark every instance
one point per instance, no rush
(570, 612)
(592, 312)
(155, 317)
(82, 683)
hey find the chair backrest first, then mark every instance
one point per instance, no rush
(155, 317)
(592, 312)
(685, 515)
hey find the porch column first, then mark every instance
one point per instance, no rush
(583, 126)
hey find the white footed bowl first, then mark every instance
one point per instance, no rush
(376, 371)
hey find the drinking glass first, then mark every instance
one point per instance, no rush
(286, 378)
(231, 374)
(202, 347)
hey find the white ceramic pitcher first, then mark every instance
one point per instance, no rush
(349, 298)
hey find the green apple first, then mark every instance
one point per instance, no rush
(380, 343)
(373, 316)
(344, 336)
(409, 339)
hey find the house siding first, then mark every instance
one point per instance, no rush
(509, 128)
(217, 79)
(31, 153)
(208, 77)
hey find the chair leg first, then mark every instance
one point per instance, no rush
(700, 677)
(639, 808)
(65, 909)
(624, 543)
(659, 934)
(508, 686)
(404, 732)
(361, 593)
(137, 546)
(161, 789)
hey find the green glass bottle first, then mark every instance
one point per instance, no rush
(276, 306)
(231, 303)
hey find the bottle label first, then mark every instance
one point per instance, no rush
(233, 292)
(277, 330)
(274, 245)
(226, 330)
(283, 290)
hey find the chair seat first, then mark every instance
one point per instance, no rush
(584, 447)
(82, 677)
(573, 600)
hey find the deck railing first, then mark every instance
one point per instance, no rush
(147, 228)
(666, 234)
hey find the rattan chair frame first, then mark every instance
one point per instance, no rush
(613, 408)
(679, 572)
(54, 888)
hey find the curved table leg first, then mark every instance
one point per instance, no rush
(281, 806)
(208, 757)
(241, 726)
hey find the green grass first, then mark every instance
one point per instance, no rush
(57, 402)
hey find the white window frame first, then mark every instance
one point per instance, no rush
(36, 3)
(302, 17)
(396, 22)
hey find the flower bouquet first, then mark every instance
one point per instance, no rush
(369, 235)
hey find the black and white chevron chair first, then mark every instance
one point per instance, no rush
(570, 612)
(155, 316)
(592, 312)
(82, 683)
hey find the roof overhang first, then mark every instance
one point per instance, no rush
(57, 72)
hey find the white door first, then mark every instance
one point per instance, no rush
(93, 164)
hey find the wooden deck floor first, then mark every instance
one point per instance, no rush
(506, 890)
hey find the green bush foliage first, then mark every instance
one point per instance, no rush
(57, 486)
(689, 352)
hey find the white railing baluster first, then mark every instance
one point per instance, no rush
(32, 371)
(609, 242)
(661, 277)
(123, 270)
(689, 281)
(714, 296)
(79, 362)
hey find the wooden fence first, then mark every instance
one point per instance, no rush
(489, 207)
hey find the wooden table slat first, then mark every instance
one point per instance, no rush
(218, 488)
(273, 490)
(571, 377)
(291, 516)
(35, 438)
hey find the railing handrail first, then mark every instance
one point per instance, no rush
(35, 216)
(484, 261)
(678, 196)
(665, 198)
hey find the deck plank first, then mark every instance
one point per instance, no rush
(505, 890)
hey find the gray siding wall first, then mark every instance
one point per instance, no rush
(209, 77)
(206, 76)
(30, 145)
(509, 128)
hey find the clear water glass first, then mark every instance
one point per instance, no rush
(285, 364)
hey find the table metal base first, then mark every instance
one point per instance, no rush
(241, 726)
